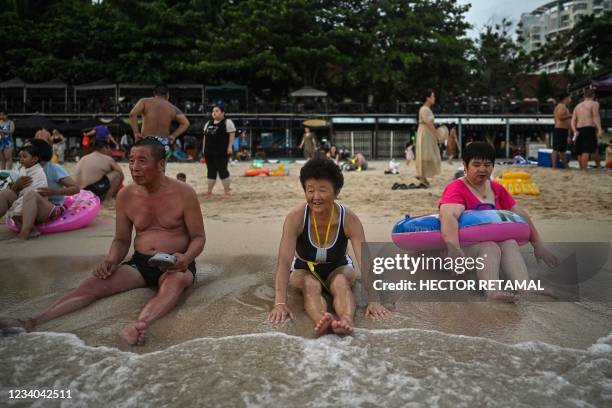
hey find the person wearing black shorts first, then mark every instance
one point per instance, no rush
(586, 122)
(561, 135)
(217, 147)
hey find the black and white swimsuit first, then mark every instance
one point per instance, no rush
(327, 259)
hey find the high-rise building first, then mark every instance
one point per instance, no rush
(552, 19)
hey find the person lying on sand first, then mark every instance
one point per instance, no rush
(167, 218)
(313, 253)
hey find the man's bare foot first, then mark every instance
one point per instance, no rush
(342, 327)
(207, 194)
(228, 192)
(12, 326)
(504, 297)
(134, 333)
(323, 326)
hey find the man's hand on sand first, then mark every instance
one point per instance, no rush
(182, 262)
(280, 314)
(377, 311)
(105, 269)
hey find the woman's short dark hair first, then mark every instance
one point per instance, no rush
(478, 150)
(427, 94)
(218, 107)
(40, 149)
(322, 169)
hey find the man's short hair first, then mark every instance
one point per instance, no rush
(562, 96)
(478, 150)
(160, 90)
(101, 144)
(589, 93)
(157, 148)
(220, 107)
(41, 149)
(322, 169)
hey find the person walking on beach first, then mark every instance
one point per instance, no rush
(43, 134)
(452, 144)
(561, 133)
(157, 117)
(166, 217)
(313, 254)
(217, 149)
(308, 143)
(428, 161)
(586, 123)
(7, 128)
(102, 134)
(99, 173)
(59, 145)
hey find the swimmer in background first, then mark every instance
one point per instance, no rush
(313, 254)
(181, 177)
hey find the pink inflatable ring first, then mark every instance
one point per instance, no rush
(82, 209)
(423, 233)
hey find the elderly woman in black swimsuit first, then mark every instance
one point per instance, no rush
(313, 253)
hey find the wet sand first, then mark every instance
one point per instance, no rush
(215, 348)
(234, 287)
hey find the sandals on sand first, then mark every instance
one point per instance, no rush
(411, 186)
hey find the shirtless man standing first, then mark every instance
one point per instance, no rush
(561, 135)
(167, 218)
(157, 116)
(587, 123)
(99, 173)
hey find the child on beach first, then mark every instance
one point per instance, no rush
(409, 152)
(28, 157)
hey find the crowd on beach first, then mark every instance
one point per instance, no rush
(313, 258)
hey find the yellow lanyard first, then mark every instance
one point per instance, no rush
(331, 220)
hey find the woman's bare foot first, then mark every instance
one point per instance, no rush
(11, 326)
(134, 333)
(342, 327)
(228, 192)
(504, 297)
(207, 194)
(322, 326)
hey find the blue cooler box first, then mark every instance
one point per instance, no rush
(545, 158)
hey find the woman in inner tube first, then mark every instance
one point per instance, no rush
(313, 253)
(466, 193)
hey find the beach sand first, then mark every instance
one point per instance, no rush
(235, 280)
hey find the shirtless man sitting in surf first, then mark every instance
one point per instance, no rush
(313, 253)
(167, 218)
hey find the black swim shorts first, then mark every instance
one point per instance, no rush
(587, 140)
(100, 187)
(559, 139)
(151, 274)
(322, 269)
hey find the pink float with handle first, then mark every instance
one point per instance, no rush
(81, 210)
(478, 225)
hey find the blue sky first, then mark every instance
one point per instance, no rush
(487, 11)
